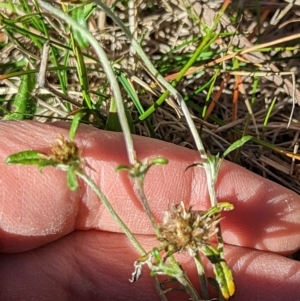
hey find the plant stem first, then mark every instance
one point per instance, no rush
(110, 209)
(202, 276)
(140, 188)
(108, 70)
(119, 221)
(175, 93)
(186, 283)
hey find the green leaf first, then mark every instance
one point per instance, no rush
(156, 255)
(129, 119)
(225, 206)
(159, 161)
(123, 168)
(113, 123)
(222, 271)
(72, 179)
(30, 158)
(26, 158)
(22, 101)
(75, 124)
(80, 14)
(222, 206)
(130, 90)
(237, 144)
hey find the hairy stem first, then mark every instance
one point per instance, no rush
(108, 70)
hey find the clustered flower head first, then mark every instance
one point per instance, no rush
(64, 151)
(187, 230)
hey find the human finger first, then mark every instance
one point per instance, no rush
(96, 265)
(38, 207)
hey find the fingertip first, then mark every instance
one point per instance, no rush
(262, 275)
(266, 215)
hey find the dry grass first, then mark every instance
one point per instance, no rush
(248, 75)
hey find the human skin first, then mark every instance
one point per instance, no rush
(61, 245)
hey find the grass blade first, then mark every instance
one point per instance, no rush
(23, 99)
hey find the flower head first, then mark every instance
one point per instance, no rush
(64, 151)
(187, 230)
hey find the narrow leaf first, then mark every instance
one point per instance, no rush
(122, 168)
(26, 158)
(222, 271)
(130, 90)
(159, 161)
(30, 158)
(237, 144)
(22, 99)
(75, 124)
(113, 123)
(79, 15)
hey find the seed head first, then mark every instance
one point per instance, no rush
(187, 230)
(64, 151)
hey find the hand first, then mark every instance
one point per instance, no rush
(62, 245)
